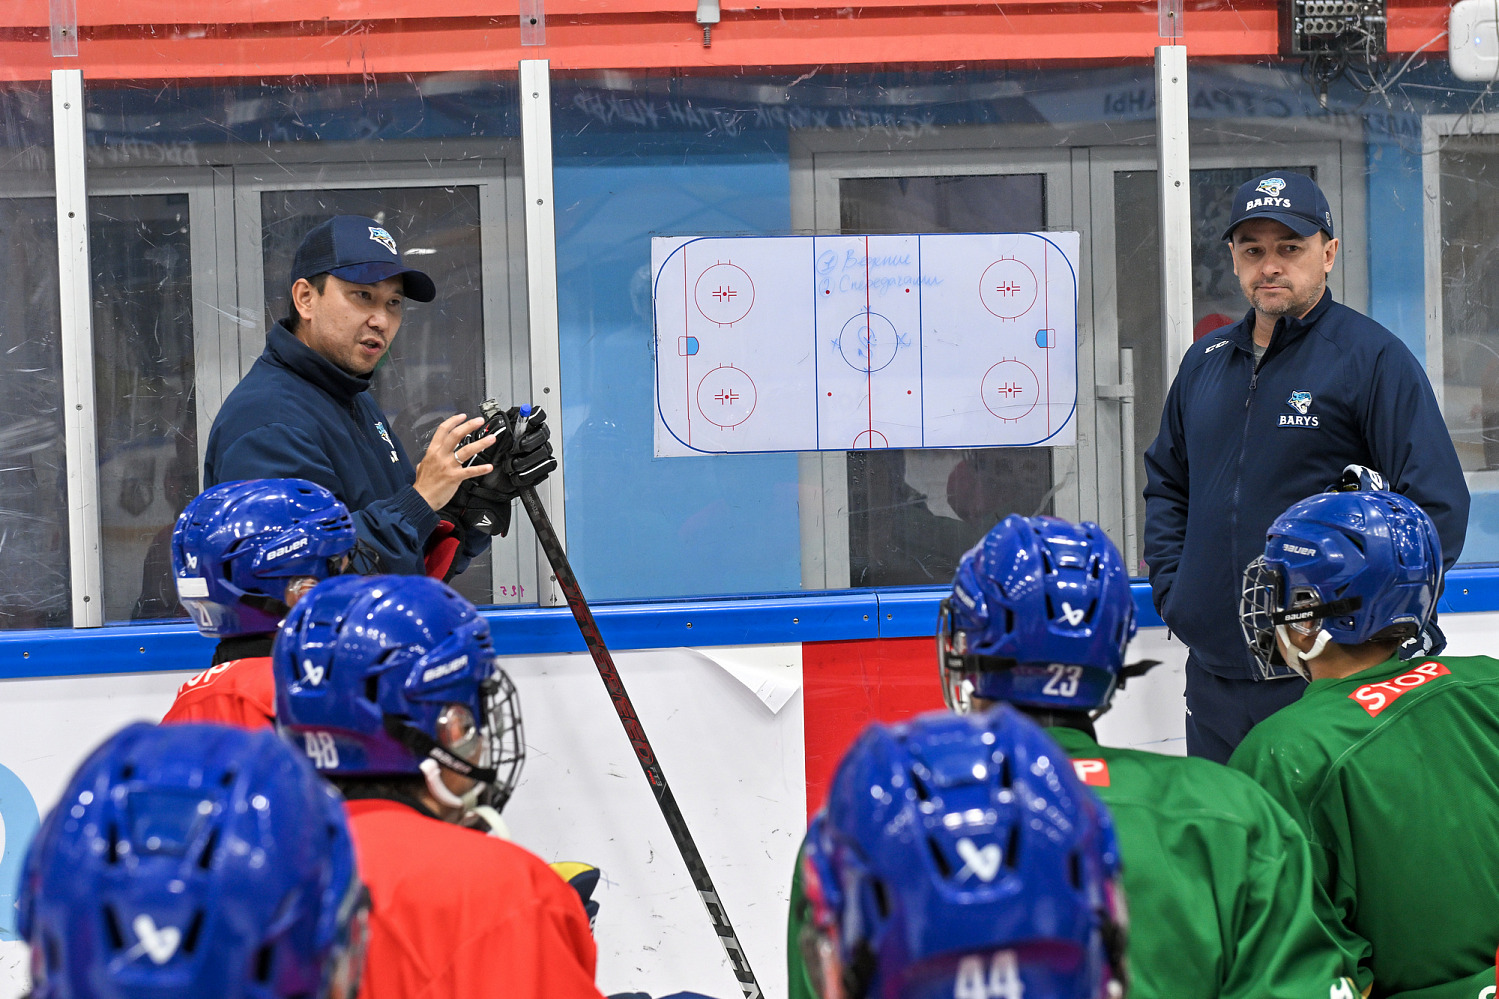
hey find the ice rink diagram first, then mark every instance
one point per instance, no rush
(838, 343)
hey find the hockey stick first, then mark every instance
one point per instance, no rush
(698, 871)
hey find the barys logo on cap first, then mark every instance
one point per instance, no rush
(382, 237)
(1271, 186)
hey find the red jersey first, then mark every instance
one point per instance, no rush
(241, 692)
(459, 913)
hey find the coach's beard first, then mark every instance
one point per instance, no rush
(1278, 307)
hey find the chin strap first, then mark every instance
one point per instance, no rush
(432, 770)
(1318, 647)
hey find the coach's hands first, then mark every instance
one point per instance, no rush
(519, 458)
(445, 465)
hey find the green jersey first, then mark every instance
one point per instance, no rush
(1394, 775)
(1217, 878)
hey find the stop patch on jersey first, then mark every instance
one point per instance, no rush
(1094, 773)
(1375, 697)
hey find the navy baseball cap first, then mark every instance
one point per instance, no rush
(1293, 199)
(360, 250)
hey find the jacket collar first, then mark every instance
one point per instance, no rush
(284, 350)
(1286, 329)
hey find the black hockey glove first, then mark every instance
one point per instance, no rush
(521, 460)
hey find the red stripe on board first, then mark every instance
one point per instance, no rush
(847, 685)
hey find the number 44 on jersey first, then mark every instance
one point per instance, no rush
(1000, 981)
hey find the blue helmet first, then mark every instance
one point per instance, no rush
(961, 856)
(186, 861)
(389, 675)
(237, 545)
(1040, 615)
(1361, 565)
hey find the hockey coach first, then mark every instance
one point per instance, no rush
(1262, 414)
(305, 411)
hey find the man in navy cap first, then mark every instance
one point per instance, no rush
(304, 409)
(1264, 413)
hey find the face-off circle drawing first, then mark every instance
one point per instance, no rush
(1008, 288)
(724, 294)
(868, 342)
(726, 396)
(1010, 390)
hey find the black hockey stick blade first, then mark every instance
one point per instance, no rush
(696, 869)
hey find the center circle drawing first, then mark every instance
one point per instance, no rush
(724, 294)
(868, 342)
(1010, 390)
(1008, 288)
(726, 396)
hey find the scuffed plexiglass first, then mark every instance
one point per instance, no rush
(199, 195)
(34, 577)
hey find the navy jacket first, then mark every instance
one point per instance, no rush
(298, 415)
(1238, 446)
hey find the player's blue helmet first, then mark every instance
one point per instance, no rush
(1040, 615)
(237, 546)
(961, 856)
(187, 861)
(1359, 565)
(388, 675)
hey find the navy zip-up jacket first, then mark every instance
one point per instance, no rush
(1238, 446)
(298, 415)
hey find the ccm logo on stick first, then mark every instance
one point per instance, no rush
(1375, 697)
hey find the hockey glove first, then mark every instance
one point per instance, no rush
(1358, 479)
(521, 460)
(1429, 643)
(583, 879)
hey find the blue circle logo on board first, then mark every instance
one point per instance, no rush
(19, 821)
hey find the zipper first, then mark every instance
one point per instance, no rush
(1233, 513)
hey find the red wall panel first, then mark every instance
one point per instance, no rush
(847, 685)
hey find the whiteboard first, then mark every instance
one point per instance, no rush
(839, 343)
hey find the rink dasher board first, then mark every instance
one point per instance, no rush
(837, 343)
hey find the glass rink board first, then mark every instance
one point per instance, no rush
(860, 343)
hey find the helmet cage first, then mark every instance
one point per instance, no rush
(499, 741)
(380, 674)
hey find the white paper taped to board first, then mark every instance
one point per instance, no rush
(838, 343)
(770, 672)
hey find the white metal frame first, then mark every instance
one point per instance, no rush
(541, 287)
(1437, 131)
(1173, 154)
(86, 560)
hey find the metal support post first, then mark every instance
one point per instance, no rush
(85, 560)
(1173, 155)
(541, 296)
(1125, 393)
